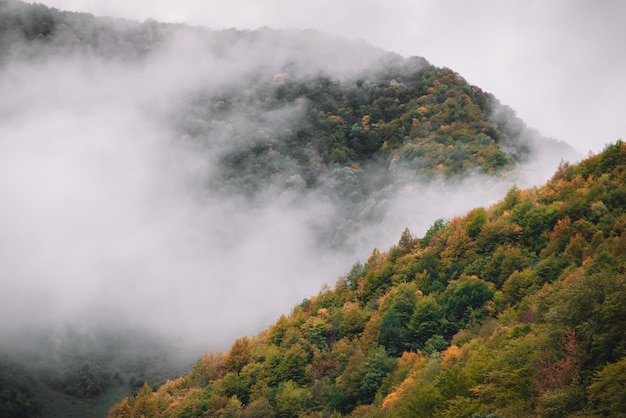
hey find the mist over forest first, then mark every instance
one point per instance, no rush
(192, 185)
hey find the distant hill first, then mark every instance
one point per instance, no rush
(511, 310)
(357, 103)
(300, 111)
(303, 111)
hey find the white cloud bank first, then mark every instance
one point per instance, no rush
(105, 217)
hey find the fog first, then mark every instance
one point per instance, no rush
(109, 215)
(104, 216)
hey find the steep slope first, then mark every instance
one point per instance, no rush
(511, 310)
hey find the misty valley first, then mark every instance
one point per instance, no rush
(282, 223)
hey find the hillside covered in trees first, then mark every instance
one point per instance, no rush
(403, 112)
(297, 112)
(511, 310)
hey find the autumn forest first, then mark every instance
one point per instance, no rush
(511, 309)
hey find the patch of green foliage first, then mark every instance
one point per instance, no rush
(16, 395)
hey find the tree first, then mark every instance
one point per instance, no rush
(438, 225)
(426, 321)
(397, 310)
(560, 372)
(474, 221)
(293, 365)
(391, 333)
(233, 408)
(145, 404)
(239, 355)
(504, 261)
(122, 409)
(354, 319)
(464, 299)
(428, 278)
(421, 401)
(377, 365)
(518, 285)
(291, 400)
(407, 242)
(234, 386)
(458, 242)
(207, 369)
(317, 329)
(259, 408)
(559, 380)
(607, 393)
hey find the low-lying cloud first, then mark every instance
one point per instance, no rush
(107, 215)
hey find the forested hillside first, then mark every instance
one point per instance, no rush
(511, 310)
(298, 111)
(404, 112)
(301, 112)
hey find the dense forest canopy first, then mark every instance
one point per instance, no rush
(317, 138)
(511, 310)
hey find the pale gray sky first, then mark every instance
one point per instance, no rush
(558, 63)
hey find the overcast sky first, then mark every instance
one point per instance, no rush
(558, 63)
